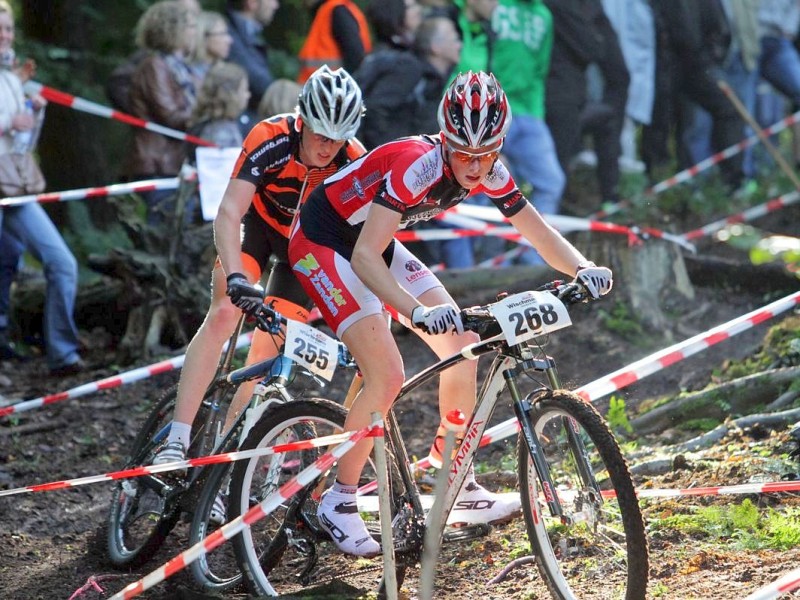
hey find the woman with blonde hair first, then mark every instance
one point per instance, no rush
(212, 43)
(222, 99)
(163, 91)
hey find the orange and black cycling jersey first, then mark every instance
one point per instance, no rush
(270, 161)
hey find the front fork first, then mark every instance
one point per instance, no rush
(523, 407)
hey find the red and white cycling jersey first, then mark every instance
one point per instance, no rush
(409, 176)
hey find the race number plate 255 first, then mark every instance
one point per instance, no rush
(528, 314)
(312, 349)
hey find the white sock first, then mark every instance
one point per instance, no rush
(341, 488)
(180, 432)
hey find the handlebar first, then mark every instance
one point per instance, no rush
(480, 320)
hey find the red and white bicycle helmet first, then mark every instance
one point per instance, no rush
(474, 113)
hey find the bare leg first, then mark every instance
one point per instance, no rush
(458, 384)
(202, 354)
(379, 360)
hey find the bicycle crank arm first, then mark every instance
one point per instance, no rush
(466, 532)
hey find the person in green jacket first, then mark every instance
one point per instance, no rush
(523, 38)
(516, 48)
(474, 21)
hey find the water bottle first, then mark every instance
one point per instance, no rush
(23, 139)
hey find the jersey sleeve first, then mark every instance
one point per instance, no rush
(502, 190)
(407, 174)
(264, 149)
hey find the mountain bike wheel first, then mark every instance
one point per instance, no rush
(216, 571)
(276, 553)
(141, 514)
(598, 549)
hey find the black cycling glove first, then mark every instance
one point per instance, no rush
(243, 294)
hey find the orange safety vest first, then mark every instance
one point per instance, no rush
(320, 47)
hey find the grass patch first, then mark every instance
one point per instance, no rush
(745, 525)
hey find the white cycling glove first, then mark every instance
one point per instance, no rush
(598, 280)
(437, 319)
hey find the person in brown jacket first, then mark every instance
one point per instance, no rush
(163, 91)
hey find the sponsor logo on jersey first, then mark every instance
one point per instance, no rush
(266, 147)
(425, 215)
(413, 266)
(358, 188)
(424, 171)
(330, 295)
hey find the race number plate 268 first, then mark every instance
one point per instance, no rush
(312, 349)
(528, 314)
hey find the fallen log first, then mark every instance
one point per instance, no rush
(778, 420)
(719, 402)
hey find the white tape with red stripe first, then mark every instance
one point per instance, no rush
(655, 362)
(786, 583)
(212, 459)
(266, 506)
(109, 382)
(745, 216)
(694, 170)
(117, 189)
(564, 224)
(687, 174)
(87, 106)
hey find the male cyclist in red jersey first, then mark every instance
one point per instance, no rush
(344, 254)
(283, 158)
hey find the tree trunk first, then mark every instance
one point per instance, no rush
(644, 274)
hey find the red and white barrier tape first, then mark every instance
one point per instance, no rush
(266, 506)
(786, 583)
(109, 382)
(87, 106)
(117, 189)
(722, 490)
(501, 258)
(687, 174)
(745, 216)
(212, 459)
(566, 224)
(655, 362)
(707, 163)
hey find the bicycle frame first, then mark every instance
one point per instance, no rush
(506, 367)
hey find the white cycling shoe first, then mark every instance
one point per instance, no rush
(338, 515)
(476, 504)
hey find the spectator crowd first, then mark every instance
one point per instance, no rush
(620, 86)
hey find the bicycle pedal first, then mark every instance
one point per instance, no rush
(466, 532)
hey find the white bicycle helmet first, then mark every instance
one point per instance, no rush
(330, 103)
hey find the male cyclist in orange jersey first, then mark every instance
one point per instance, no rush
(283, 158)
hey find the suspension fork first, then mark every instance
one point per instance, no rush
(573, 437)
(523, 409)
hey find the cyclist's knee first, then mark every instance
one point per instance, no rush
(263, 346)
(387, 382)
(222, 316)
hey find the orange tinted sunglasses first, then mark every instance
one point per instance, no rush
(466, 158)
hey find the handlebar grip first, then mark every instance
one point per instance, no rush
(268, 319)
